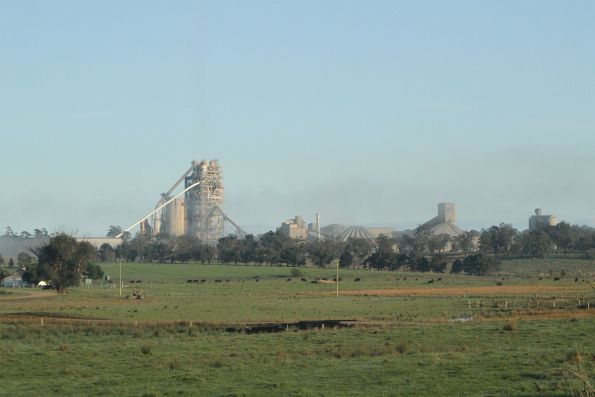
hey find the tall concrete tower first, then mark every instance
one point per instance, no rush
(203, 220)
(446, 212)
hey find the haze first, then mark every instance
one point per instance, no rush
(368, 112)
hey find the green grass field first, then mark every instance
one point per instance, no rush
(462, 335)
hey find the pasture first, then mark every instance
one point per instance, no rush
(405, 333)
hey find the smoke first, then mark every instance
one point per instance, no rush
(504, 185)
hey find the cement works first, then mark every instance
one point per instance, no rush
(195, 211)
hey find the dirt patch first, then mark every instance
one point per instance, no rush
(462, 291)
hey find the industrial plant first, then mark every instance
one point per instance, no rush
(195, 211)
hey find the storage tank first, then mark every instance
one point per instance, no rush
(175, 217)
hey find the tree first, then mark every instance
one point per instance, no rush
(161, 251)
(208, 254)
(24, 259)
(228, 248)
(346, 259)
(323, 252)
(438, 263)
(384, 256)
(293, 253)
(3, 274)
(248, 249)
(438, 243)
(465, 242)
(126, 251)
(10, 263)
(480, 264)
(113, 231)
(359, 248)
(140, 243)
(457, 266)
(417, 244)
(1, 260)
(498, 239)
(270, 245)
(537, 243)
(93, 271)
(61, 261)
(420, 264)
(562, 235)
(106, 253)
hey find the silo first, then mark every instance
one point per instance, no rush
(175, 217)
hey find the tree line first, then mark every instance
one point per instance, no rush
(505, 241)
(275, 248)
(417, 251)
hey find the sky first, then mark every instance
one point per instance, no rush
(369, 112)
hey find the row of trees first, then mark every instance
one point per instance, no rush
(505, 240)
(276, 248)
(270, 248)
(25, 234)
(23, 260)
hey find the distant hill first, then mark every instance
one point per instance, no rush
(12, 246)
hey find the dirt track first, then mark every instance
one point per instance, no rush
(467, 291)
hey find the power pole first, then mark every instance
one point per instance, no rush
(337, 278)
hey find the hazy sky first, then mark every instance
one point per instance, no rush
(370, 112)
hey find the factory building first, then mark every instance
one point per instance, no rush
(444, 223)
(356, 232)
(197, 210)
(540, 220)
(295, 228)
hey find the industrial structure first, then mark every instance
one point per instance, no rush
(296, 228)
(195, 211)
(444, 223)
(356, 232)
(541, 220)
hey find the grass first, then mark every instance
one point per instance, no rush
(415, 359)
(550, 267)
(173, 342)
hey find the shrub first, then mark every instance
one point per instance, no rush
(145, 349)
(295, 272)
(511, 325)
(574, 357)
(402, 348)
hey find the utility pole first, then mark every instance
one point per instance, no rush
(337, 278)
(120, 277)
